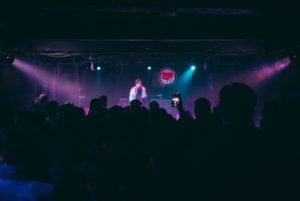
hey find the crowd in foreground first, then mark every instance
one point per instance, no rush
(135, 153)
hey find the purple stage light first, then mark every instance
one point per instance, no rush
(58, 84)
(9, 59)
(92, 66)
(266, 72)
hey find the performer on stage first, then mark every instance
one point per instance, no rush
(138, 92)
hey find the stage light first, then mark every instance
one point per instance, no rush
(205, 65)
(293, 57)
(9, 58)
(98, 68)
(185, 78)
(92, 66)
(149, 67)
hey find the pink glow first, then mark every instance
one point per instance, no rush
(49, 78)
(86, 110)
(254, 78)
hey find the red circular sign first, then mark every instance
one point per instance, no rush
(167, 76)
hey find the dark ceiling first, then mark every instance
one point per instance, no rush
(118, 27)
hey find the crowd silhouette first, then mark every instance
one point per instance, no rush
(134, 153)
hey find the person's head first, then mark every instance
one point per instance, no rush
(135, 105)
(95, 105)
(138, 83)
(116, 111)
(202, 108)
(52, 107)
(43, 99)
(103, 101)
(153, 105)
(237, 103)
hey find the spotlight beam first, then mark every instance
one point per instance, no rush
(184, 80)
(60, 84)
(253, 78)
